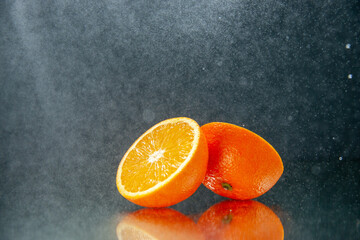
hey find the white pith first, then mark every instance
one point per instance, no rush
(155, 156)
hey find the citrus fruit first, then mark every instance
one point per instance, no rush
(242, 165)
(165, 165)
(234, 219)
(159, 223)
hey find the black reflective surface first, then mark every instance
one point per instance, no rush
(81, 80)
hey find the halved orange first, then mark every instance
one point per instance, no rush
(242, 165)
(165, 165)
(157, 224)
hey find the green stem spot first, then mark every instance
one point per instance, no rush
(227, 219)
(226, 186)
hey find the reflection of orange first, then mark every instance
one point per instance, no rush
(241, 220)
(242, 165)
(285, 217)
(165, 165)
(161, 223)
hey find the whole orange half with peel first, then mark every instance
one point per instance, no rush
(242, 165)
(165, 165)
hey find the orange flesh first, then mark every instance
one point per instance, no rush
(158, 155)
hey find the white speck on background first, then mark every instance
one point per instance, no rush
(340, 158)
(350, 76)
(219, 62)
(348, 46)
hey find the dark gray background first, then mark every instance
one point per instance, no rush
(81, 80)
